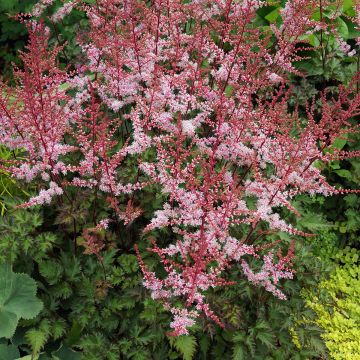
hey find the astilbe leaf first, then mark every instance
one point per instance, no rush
(239, 353)
(36, 339)
(58, 328)
(186, 345)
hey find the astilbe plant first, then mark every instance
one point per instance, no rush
(206, 90)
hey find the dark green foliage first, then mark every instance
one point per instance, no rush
(91, 304)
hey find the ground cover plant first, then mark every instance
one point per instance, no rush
(180, 159)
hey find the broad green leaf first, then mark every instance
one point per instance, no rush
(339, 143)
(23, 300)
(266, 10)
(8, 352)
(8, 323)
(342, 28)
(352, 28)
(65, 353)
(347, 4)
(273, 15)
(344, 173)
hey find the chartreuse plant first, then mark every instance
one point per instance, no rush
(337, 307)
(336, 299)
(17, 300)
(189, 98)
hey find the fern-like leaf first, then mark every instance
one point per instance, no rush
(186, 345)
(238, 353)
(36, 339)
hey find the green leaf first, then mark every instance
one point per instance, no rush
(58, 328)
(265, 11)
(272, 15)
(228, 90)
(51, 271)
(22, 300)
(314, 222)
(267, 338)
(342, 28)
(74, 335)
(347, 4)
(37, 340)
(65, 353)
(238, 353)
(186, 345)
(8, 352)
(6, 5)
(250, 342)
(29, 357)
(352, 28)
(339, 143)
(204, 344)
(8, 323)
(344, 173)
(17, 299)
(72, 266)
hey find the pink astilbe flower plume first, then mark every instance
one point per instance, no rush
(204, 90)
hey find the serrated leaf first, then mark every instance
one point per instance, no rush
(51, 271)
(58, 328)
(186, 345)
(266, 338)
(238, 353)
(250, 342)
(23, 300)
(314, 222)
(8, 323)
(36, 339)
(72, 266)
(17, 299)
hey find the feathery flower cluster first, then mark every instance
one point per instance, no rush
(204, 89)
